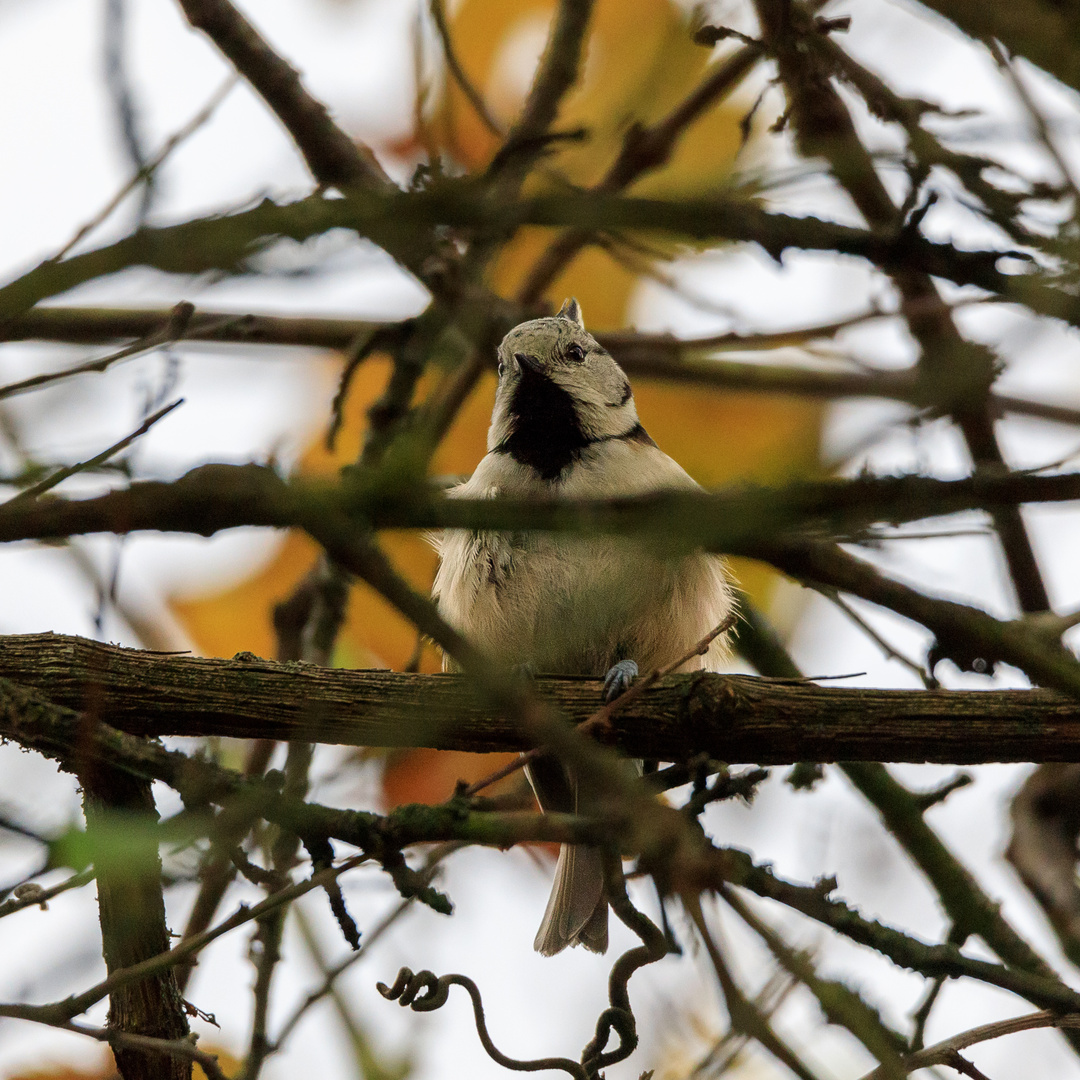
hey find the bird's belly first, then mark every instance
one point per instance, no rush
(577, 606)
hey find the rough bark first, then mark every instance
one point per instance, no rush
(728, 717)
(131, 910)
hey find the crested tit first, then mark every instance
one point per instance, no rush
(565, 424)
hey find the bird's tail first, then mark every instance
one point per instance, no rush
(577, 912)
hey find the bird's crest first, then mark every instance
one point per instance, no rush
(571, 310)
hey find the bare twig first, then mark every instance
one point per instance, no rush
(185, 1049)
(662, 356)
(78, 1003)
(333, 157)
(331, 975)
(963, 370)
(817, 903)
(743, 520)
(401, 222)
(558, 71)
(60, 475)
(170, 329)
(453, 64)
(645, 148)
(890, 653)
(943, 1053)
(39, 897)
(1042, 848)
(839, 1003)
(744, 1015)
(151, 166)
(1042, 128)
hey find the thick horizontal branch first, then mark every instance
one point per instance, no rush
(728, 717)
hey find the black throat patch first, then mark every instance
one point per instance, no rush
(546, 431)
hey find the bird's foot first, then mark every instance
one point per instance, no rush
(618, 679)
(525, 672)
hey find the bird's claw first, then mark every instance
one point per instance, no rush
(525, 672)
(618, 679)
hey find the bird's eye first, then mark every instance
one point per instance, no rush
(502, 368)
(575, 352)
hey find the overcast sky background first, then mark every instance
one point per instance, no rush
(63, 163)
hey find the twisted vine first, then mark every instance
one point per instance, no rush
(423, 991)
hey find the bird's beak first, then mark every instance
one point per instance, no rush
(529, 362)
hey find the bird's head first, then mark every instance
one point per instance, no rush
(558, 388)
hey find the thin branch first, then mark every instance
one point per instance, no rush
(371, 937)
(557, 72)
(185, 1049)
(660, 356)
(943, 1053)
(170, 328)
(123, 98)
(333, 156)
(644, 148)
(37, 896)
(816, 902)
(890, 653)
(1042, 129)
(94, 326)
(72, 1006)
(963, 370)
(965, 634)
(1043, 846)
(453, 64)
(839, 1003)
(756, 522)
(969, 908)
(743, 1014)
(67, 471)
(201, 118)
(399, 222)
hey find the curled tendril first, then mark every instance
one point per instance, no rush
(622, 1022)
(423, 991)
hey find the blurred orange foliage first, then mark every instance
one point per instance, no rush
(636, 69)
(107, 1069)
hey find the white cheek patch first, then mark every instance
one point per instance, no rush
(602, 397)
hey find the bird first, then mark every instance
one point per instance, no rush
(565, 424)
